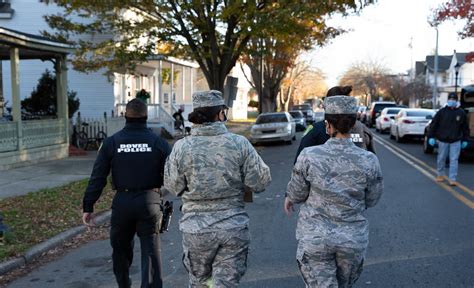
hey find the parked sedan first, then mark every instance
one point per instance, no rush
(300, 120)
(273, 127)
(307, 112)
(387, 116)
(410, 123)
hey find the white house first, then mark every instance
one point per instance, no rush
(94, 89)
(464, 77)
(100, 92)
(446, 77)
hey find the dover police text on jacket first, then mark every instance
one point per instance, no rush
(136, 157)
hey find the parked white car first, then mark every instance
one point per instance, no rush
(410, 123)
(268, 127)
(387, 116)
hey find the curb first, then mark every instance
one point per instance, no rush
(47, 245)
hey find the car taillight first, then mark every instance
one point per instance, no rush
(386, 119)
(406, 121)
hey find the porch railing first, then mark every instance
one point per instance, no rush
(8, 136)
(35, 133)
(38, 133)
(156, 113)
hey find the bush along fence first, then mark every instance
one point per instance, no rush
(88, 133)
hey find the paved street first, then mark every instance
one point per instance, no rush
(421, 233)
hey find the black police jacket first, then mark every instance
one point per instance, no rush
(449, 125)
(135, 155)
(361, 136)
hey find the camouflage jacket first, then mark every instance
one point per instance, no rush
(210, 170)
(335, 182)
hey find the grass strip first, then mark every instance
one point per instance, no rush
(38, 216)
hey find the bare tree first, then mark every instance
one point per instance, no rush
(366, 78)
(312, 85)
(395, 88)
(420, 92)
(292, 80)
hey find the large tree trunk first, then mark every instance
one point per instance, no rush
(215, 82)
(284, 99)
(270, 95)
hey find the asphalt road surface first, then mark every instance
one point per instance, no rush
(421, 232)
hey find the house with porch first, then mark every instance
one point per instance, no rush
(33, 140)
(169, 81)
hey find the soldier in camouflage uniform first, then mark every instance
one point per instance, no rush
(335, 182)
(210, 170)
(316, 135)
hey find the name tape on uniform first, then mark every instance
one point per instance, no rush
(133, 148)
(356, 138)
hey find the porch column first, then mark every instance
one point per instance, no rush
(2, 99)
(160, 82)
(191, 81)
(61, 94)
(123, 90)
(172, 88)
(183, 69)
(16, 102)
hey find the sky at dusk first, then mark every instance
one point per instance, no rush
(382, 33)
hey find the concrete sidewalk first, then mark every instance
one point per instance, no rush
(21, 181)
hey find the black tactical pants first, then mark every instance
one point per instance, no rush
(136, 212)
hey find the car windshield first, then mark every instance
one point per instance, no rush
(419, 113)
(393, 111)
(380, 107)
(296, 114)
(271, 118)
(301, 107)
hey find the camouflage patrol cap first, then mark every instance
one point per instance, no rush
(340, 105)
(209, 98)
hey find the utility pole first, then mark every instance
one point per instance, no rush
(412, 72)
(435, 73)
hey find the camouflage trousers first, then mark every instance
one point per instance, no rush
(219, 256)
(329, 266)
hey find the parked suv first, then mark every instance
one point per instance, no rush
(375, 110)
(307, 111)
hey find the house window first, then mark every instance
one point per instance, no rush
(445, 78)
(138, 83)
(6, 11)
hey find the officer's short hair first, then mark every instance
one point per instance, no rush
(136, 108)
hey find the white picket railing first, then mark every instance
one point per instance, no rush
(156, 114)
(109, 126)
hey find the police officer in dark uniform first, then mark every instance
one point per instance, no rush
(361, 135)
(136, 156)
